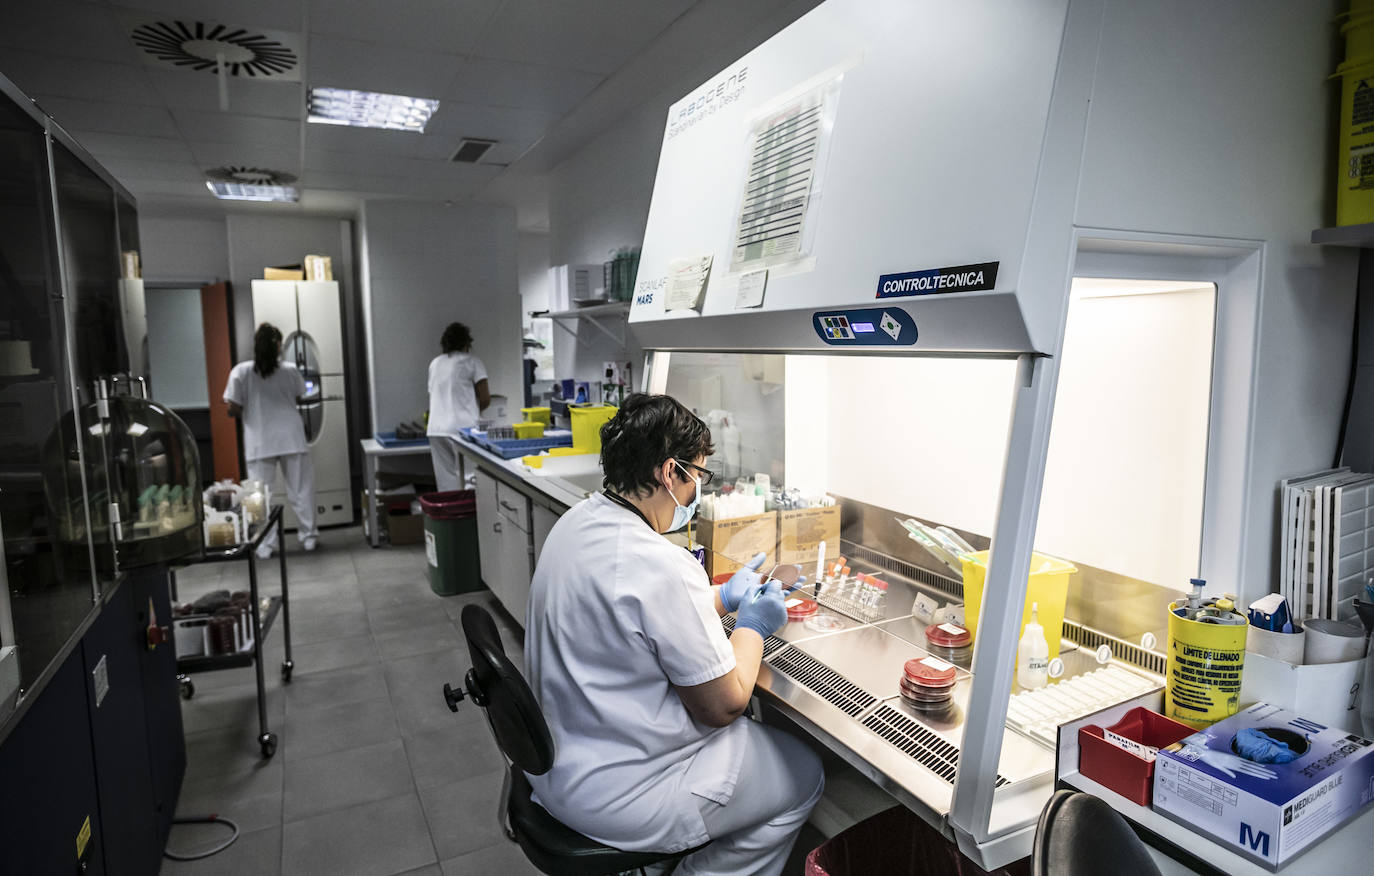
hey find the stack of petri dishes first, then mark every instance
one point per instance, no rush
(799, 608)
(928, 684)
(950, 642)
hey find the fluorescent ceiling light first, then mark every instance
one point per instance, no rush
(241, 192)
(368, 109)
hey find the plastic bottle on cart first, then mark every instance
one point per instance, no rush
(1033, 654)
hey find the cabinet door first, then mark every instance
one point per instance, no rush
(489, 528)
(543, 520)
(514, 509)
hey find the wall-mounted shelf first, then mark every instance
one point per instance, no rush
(609, 319)
(1345, 235)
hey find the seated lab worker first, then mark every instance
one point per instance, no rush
(263, 394)
(642, 690)
(458, 393)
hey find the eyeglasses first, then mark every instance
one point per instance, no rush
(706, 474)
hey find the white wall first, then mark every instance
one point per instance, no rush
(1250, 155)
(183, 249)
(533, 253)
(425, 266)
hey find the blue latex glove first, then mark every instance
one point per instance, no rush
(1263, 748)
(765, 613)
(1225, 761)
(745, 581)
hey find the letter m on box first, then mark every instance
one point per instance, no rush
(1257, 840)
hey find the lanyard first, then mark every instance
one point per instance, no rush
(626, 503)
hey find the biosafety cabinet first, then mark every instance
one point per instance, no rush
(1034, 272)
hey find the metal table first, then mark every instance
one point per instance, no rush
(261, 623)
(372, 449)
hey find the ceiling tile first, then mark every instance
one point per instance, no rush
(126, 169)
(490, 82)
(341, 63)
(58, 28)
(282, 158)
(108, 146)
(187, 89)
(39, 73)
(360, 163)
(272, 14)
(454, 121)
(235, 128)
(90, 115)
(371, 141)
(597, 36)
(450, 26)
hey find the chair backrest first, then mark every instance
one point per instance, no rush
(494, 683)
(1081, 835)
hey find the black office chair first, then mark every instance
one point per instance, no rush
(516, 721)
(1080, 835)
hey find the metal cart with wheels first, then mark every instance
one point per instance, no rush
(261, 621)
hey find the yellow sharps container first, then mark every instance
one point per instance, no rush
(1206, 656)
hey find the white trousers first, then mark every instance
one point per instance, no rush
(299, 474)
(449, 470)
(780, 782)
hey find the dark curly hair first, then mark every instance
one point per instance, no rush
(647, 431)
(456, 339)
(266, 349)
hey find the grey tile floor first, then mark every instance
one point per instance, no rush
(373, 775)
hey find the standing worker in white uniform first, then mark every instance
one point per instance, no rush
(642, 690)
(263, 394)
(458, 393)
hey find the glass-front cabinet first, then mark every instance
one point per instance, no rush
(43, 509)
(95, 478)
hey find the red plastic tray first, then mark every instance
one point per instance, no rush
(1125, 772)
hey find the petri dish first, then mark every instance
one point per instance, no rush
(824, 623)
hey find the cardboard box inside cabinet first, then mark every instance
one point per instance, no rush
(1204, 784)
(319, 268)
(800, 533)
(290, 272)
(730, 543)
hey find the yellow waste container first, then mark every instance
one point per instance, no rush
(1048, 586)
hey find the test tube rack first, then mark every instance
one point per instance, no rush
(855, 609)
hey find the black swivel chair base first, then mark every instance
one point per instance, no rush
(521, 733)
(559, 850)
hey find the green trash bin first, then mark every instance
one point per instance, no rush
(451, 542)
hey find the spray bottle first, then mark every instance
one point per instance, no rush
(1033, 654)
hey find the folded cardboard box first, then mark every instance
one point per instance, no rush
(319, 268)
(801, 532)
(286, 272)
(731, 543)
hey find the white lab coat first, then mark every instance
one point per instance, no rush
(271, 423)
(617, 617)
(453, 393)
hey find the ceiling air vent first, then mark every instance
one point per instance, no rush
(199, 45)
(471, 150)
(249, 176)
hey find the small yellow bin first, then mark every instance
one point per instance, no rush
(1048, 586)
(529, 430)
(586, 426)
(537, 415)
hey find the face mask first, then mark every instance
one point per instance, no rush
(681, 514)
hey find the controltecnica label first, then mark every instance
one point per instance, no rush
(936, 281)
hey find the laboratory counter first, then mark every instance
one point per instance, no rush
(839, 684)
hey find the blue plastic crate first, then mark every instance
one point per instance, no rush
(389, 439)
(513, 447)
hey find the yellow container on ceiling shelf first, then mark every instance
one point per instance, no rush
(537, 415)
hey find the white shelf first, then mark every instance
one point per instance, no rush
(1343, 852)
(616, 313)
(1345, 235)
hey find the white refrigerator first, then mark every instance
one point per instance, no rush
(308, 315)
